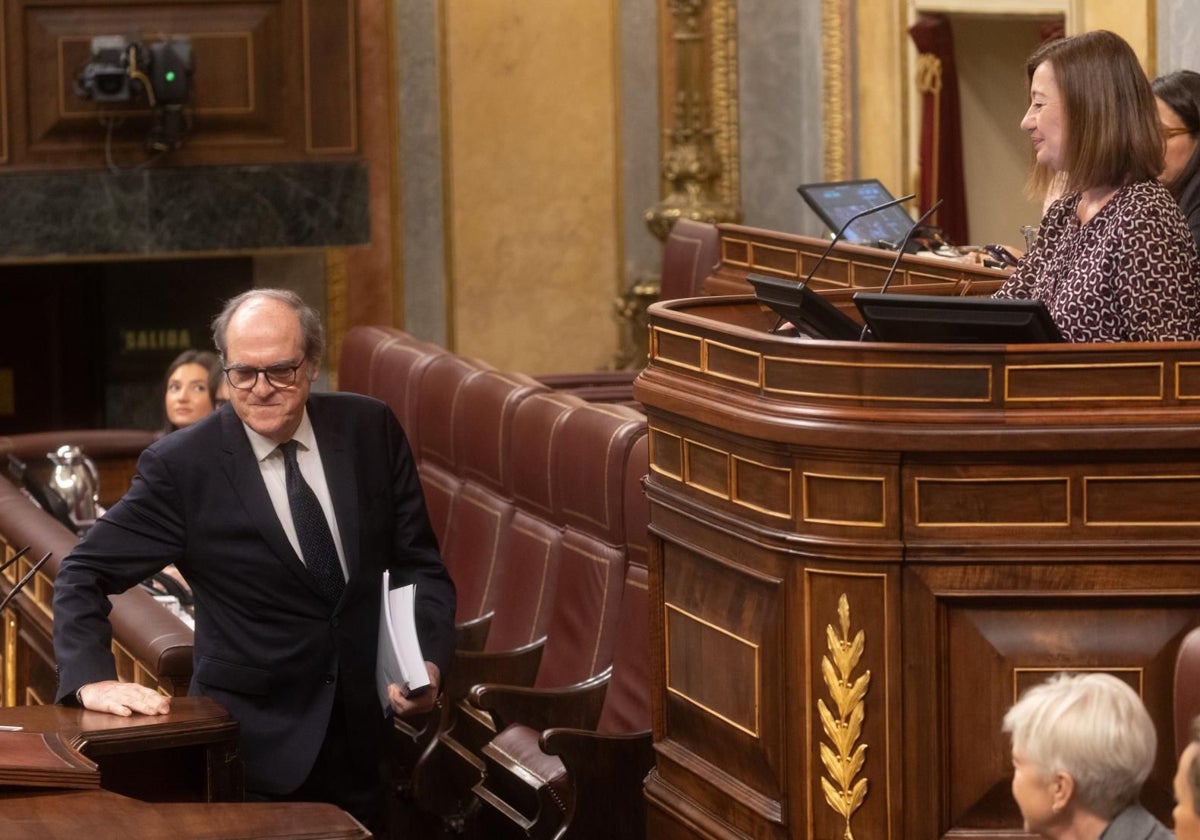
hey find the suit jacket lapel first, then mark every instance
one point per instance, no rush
(246, 478)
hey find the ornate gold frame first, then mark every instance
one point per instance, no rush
(837, 79)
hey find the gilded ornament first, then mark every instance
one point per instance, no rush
(843, 757)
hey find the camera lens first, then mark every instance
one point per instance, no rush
(109, 83)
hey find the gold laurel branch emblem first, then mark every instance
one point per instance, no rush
(843, 757)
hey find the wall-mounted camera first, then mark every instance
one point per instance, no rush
(106, 77)
(160, 73)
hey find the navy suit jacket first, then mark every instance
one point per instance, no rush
(268, 647)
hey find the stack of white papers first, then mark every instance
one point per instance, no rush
(400, 660)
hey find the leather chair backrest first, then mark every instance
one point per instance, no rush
(483, 451)
(356, 361)
(1187, 688)
(528, 575)
(637, 506)
(627, 700)
(536, 424)
(690, 254)
(452, 425)
(434, 402)
(477, 539)
(590, 455)
(396, 369)
(441, 389)
(596, 442)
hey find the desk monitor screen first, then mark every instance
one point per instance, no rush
(808, 312)
(935, 319)
(837, 201)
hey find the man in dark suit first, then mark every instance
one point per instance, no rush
(285, 641)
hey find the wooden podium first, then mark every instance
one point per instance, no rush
(144, 777)
(861, 554)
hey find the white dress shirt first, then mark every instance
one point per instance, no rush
(308, 456)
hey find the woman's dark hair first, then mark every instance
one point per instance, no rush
(207, 360)
(1180, 91)
(1112, 136)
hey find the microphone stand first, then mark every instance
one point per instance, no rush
(837, 237)
(887, 280)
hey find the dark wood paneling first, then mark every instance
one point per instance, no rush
(916, 554)
(330, 76)
(273, 81)
(51, 348)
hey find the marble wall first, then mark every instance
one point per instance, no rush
(780, 105)
(1178, 35)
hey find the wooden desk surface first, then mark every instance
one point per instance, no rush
(28, 815)
(127, 747)
(192, 720)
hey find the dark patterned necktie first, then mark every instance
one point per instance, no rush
(312, 529)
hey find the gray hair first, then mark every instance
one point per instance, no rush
(310, 320)
(1094, 728)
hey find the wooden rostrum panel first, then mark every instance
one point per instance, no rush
(862, 553)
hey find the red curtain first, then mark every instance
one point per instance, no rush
(1052, 30)
(941, 127)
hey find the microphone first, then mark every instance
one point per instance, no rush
(19, 585)
(837, 237)
(887, 280)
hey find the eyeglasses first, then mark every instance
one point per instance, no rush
(1168, 132)
(244, 377)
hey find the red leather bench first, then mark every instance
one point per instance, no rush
(539, 505)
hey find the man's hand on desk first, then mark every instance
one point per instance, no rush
(122, 698)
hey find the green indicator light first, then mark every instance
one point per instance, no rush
(170, 75)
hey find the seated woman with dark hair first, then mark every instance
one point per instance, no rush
(1082, 746)
(195, 388)
(1178, 99)
(1114, 259)
(194, 383)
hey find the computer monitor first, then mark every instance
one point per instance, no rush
(807, 311)
(935, 319)
(836, 201)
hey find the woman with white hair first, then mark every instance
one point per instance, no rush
(1082, 745)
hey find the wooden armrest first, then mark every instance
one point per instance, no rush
(472, 635)
(515, 667)
(606, 774)
(576, 706)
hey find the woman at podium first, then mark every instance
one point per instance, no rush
(1114, 259)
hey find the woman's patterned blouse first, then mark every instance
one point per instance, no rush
(1130, 274)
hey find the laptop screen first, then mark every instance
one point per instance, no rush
(836, 201)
